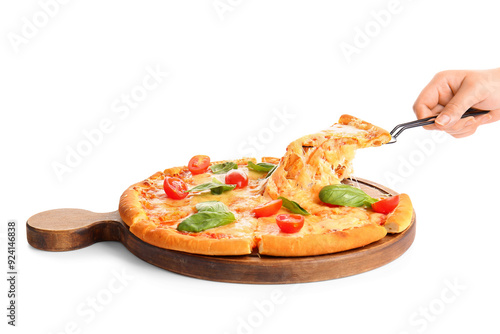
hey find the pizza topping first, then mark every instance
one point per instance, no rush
(223, 167)
(199, 164)
(217, 235)
(205, 220)
(216, 187)
(271, 171)
(290, 223)
(261, 166)
(332, 205)
(293, 206)
(214, 206)
(210, 214)
(345, 195)
(237, 177)
(386, 205)
(268, 209)
(175, 188)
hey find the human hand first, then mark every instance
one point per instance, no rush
(451, 93)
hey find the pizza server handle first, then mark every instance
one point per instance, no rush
(69, 229)
(429, 120)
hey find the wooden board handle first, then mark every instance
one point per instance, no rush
(68, 229)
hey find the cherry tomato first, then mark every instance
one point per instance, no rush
(268, 209)
(199, 164)
(237, 177)
(290, 223)
(175, 188)
(386, 205)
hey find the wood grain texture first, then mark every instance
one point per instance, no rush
(68, 229)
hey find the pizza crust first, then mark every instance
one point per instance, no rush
(376, 135)
(130, 208)
(316, 244)
(169, 239)
(399, 220)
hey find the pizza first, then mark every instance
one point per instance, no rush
(291, 206)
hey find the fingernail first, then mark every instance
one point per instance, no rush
(486, 119)
(470, 121)
(443, 119)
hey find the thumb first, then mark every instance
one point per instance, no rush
(465, 98)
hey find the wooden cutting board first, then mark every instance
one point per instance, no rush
(69, 229)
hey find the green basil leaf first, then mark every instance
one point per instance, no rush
(204, 186)
(221, 188)
(216, 187)
(345, 195)
(211, 206)
(271, 171)
(205, 220)
(261, 166)
(293, 206)
(223, 167)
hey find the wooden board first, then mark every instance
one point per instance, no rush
(69, 229)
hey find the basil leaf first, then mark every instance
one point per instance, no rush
(216, 187)
(345, 195)
(211, 206)
(261, 166)
(271, 171)
(294, 207)
(205, 220)
(223, 167)
(221, 188)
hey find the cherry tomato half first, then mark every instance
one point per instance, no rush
(237, 177)
(175, 188)
(290, 223)
(199, 164)
(268, 209)
(386, 205)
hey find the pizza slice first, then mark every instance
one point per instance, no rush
(324, 158)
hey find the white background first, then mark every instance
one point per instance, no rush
(229, 74)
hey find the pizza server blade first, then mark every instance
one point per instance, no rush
(426, 121)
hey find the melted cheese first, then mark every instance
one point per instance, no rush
(322, 159)
(310, 163)
(170, 212)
